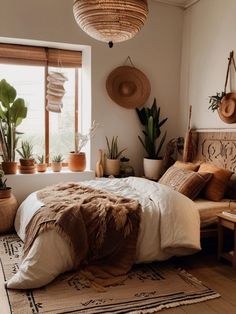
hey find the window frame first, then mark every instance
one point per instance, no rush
(43, 56)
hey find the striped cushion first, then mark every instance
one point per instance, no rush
(187, 182)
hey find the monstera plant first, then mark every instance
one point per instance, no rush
(153, 141)
(12, 112)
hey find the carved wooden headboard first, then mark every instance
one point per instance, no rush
(215, 147)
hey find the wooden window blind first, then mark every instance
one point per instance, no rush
(20, 54)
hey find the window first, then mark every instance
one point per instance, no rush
(26, 68)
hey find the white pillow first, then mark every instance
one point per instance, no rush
(48, 257)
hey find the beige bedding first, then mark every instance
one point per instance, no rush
(209, 209)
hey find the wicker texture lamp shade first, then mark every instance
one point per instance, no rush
(110, 21)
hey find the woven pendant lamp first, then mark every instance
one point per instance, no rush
(110, 21)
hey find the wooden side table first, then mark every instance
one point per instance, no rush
(8, 208)
(229, 223)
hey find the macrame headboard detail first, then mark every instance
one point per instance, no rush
(218, 148)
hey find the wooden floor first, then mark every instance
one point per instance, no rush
(219, 276)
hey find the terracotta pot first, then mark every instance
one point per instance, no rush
(152, 168)
(27, 169)
(41, 167)
(9, 167)
(27, 162)
(77, 161)
(56, 166)
(5, 193)
(112, 167)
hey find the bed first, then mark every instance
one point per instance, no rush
(169, 226)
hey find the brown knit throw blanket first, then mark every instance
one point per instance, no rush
(101, 228)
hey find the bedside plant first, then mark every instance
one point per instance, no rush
(150, 119)
(57, 163)
(5, 191)
(41, 165)
(112, 163)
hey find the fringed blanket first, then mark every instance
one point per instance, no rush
(101, 228)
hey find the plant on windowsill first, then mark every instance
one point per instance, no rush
(12, 112)
(27, 162)
(56, 164)
(150, 119)
(112, 162)
(41, 164)
(77, 158)
(5, 191)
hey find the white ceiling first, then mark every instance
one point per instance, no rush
(179, 3)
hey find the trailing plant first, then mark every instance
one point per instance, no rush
(3, 185)
(12, 112)
(57, 158)
(215, 101)
(113, 152)
(41, 159)
(150, 119)
(26, 150)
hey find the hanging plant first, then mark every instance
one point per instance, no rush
(223, 102)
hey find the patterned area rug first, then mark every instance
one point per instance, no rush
(148, 288)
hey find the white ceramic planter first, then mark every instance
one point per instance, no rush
(112, 167)
(152, 168)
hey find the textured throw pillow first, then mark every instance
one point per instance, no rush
(216, 187)
(187, 182)
(187, 165)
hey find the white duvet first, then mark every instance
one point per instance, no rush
(169, 226)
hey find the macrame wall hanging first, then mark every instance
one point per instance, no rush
(55, 89)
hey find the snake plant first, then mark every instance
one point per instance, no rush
(113, 152)
(150, 119)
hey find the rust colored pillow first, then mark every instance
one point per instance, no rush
(187, 182)
(215, 188)
(231, 188)
(187, 165)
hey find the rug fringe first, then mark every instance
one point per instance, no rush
(176, 304)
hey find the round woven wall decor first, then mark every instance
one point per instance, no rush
(128, 87)
(110, 21)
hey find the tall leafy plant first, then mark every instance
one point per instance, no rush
(150, 119)
(12, 112)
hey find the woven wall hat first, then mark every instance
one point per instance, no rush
(227, 108)
(128, 87)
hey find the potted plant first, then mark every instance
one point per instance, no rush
(5, 191)
(41, 165)
(27, 162)
(77, 159)
(223, 102)
(150, 119)
(57, 163)
(112, 163)
(12, 112)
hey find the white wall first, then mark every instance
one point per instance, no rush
(208, 37)
(156, 50)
